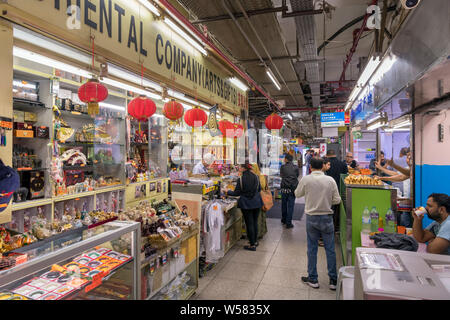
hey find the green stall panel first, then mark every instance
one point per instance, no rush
(343, 233)
(360, 198)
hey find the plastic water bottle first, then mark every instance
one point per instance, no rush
(374, 215)
(391, 223)
(366, 226)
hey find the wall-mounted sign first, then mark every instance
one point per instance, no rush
(126, 32)
(332, 119)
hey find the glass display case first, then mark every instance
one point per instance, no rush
(91, 149)
(102, 263)
(158, 157)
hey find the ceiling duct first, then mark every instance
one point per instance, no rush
(306, 33)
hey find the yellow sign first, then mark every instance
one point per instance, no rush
(126, 29)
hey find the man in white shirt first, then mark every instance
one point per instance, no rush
(202, 166)
(321, 193)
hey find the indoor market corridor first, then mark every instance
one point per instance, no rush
(273, 272)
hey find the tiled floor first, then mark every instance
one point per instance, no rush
(271, 273)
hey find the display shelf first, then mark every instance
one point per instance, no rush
(170, 280)
(27, 105)
(30, 169)
(110, 188)
(31, 204)
(189, 294)
(74, 196)
(81, 168)
(365, 140)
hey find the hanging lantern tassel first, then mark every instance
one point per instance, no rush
(93, 108)
(92, 92)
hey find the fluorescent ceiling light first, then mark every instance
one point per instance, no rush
(238, 83)
(403, 124)
(18, 83)
(40, 41)
(111, 106)
(289, 116)
(181, 96)
(120, 73)
(31, 56)
(121, 85)
(385, 66)
(150, 7)
(185, 36)
(368, 71)
(272, 77)
(374, 119)
(376, 125)
(396, 129)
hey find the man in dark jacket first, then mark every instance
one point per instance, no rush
(336, 169)
(289, 180)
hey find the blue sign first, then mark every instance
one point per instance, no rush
(332, 119)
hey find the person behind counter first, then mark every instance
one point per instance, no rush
(202, 166)
(248, 189)
(437, 234)
(350, 162)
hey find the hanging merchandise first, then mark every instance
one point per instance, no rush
(274, 122)
(92, 92)
(173, 110)
(9, 182)
(213, 221)
(212, 122)
(227, 128)
(195, 117)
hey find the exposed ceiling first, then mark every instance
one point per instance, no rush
(288, 46)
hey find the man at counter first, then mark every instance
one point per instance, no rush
(437, 234)
(202, 166)
(350, 162)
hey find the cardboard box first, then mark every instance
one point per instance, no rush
(30, 116)
(24, 133)
(23, 126)
(19, 116)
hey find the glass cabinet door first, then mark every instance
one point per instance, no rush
(93, 264)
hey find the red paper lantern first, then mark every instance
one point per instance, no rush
(173, 110)
(227, 128)
(141, 108)
(92, 92)
(238, 130)
(195, 117)
(274, 122)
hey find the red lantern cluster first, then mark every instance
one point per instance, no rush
(92, 92)
(173, 110)
(274, 122)
(231, 130)
(227, 128)
(141, 108)
(195, 117)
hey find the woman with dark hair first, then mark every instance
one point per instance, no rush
(248, 189)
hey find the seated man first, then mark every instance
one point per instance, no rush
(437, 234)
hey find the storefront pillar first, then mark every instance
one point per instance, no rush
(6, 110)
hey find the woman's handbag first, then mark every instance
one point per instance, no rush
(267, 199)
(266, 196)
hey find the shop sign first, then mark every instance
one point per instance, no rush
(347, 118)
(332, 119)
(128, 30)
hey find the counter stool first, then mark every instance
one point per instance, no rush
(344, 273)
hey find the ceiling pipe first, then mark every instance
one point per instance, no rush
(282, 9)
(265, 49)
(205, 40)
(355, 43)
